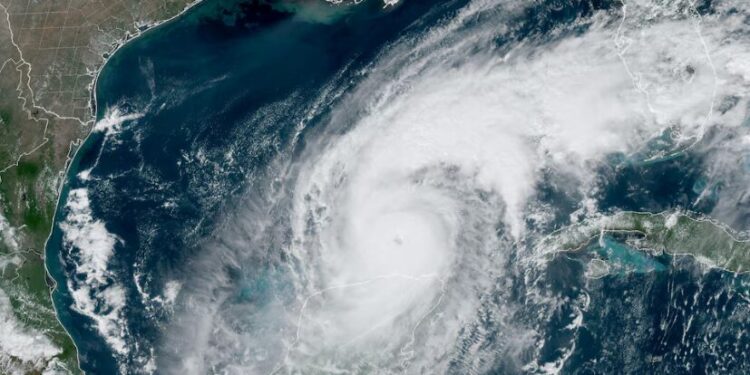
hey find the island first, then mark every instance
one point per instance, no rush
(676, 233)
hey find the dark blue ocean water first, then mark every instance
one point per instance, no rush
(228, 76)
(222, 90)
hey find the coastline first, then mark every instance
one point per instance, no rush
(600, 224)
(80, 144)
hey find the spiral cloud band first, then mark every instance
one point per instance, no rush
(400, 225)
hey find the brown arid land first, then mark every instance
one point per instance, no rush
(50, 54)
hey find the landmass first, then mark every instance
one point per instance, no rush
(50, 54)
(676, 233)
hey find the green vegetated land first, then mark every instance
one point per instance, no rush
(49, 53)
(674, 233)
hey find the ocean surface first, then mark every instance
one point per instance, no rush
(175, 238)
(221, 90)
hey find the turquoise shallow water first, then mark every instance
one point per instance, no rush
(217, 97)
(226, 77)
(625, 258)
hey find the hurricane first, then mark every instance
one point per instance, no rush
(401, 222)
(397, 223)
